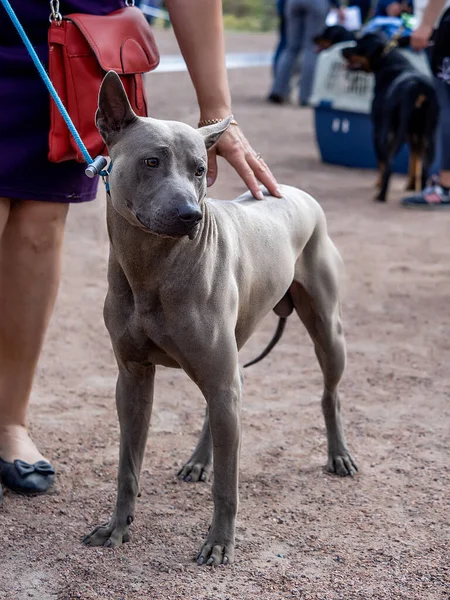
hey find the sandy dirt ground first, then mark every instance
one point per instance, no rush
(301, 532)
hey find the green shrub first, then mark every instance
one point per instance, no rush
(250, 15)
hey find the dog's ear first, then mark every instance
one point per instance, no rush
(114, 112)
(212, 133)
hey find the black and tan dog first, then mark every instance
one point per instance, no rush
(333, 35)
(404, 108)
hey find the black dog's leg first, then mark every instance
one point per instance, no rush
(380, 160)
(394, 138)
(411, 182)
(385, 177)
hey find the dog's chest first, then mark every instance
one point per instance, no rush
(148, 331)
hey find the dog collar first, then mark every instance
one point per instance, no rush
(393, 42)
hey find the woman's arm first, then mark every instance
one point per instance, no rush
(199, 30)
(421, 36)
(198, 27)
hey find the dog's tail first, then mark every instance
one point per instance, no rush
(422, 109)
(273, 342)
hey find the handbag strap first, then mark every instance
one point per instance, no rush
(55, 15)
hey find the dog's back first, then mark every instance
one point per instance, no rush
(405, 106)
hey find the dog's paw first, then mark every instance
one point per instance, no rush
(108, 535)
(214, 554)
(195, 470)
(342, 464)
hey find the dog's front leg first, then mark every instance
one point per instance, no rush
(134, 399)
(224, 403)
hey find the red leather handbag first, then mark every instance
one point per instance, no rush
(82, 48)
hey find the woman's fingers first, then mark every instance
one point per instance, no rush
(211, 175)
(264, 174)
(234, 147)
(243, 169)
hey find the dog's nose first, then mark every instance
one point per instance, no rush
(189, 215)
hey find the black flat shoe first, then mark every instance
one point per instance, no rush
(23, 478)
(276, 99)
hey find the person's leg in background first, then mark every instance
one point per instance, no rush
(30, 264)
(443, 90)
(281, 8)
(438, 195)
(315, 17)
(295, 21)
(364, 6)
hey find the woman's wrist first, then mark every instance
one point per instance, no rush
(215, 112)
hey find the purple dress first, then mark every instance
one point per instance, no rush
(25, 171)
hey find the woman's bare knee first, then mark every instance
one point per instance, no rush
(37, 225)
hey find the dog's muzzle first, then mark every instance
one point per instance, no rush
(184, 221)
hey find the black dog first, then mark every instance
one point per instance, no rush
(333, 35)
(404, 108)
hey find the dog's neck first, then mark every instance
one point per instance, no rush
(155, 255)
(388, 67)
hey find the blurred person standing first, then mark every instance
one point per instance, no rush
(365, 8)
(434, 25)
(305, 19)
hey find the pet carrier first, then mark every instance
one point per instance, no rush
(342, 101)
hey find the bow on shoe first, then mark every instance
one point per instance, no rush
(41, 466)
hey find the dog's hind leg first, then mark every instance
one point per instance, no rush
(199, 465)
(419, 175)
(379, 179)
(412, 171)
(315, 293)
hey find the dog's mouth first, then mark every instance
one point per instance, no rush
(322, 44)
(357, 62)
(169, 232)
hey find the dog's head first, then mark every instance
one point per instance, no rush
(158, 180)
(366, 53)
(333, 35)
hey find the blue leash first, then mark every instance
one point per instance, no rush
(95, 166)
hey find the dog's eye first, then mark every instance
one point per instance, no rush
(152, 162)
(200, 171)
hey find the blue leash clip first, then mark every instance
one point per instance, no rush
(95, 166)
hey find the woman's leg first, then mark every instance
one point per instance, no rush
(316, 15)
(30, 262)
(288, 58)
(4, 213)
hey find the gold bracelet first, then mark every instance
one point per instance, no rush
(207, 122)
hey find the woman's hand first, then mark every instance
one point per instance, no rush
(200, 36)
(234, 147)
(421, 37)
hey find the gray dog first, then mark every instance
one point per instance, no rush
(189, 280)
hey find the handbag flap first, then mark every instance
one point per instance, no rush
(122, 41)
